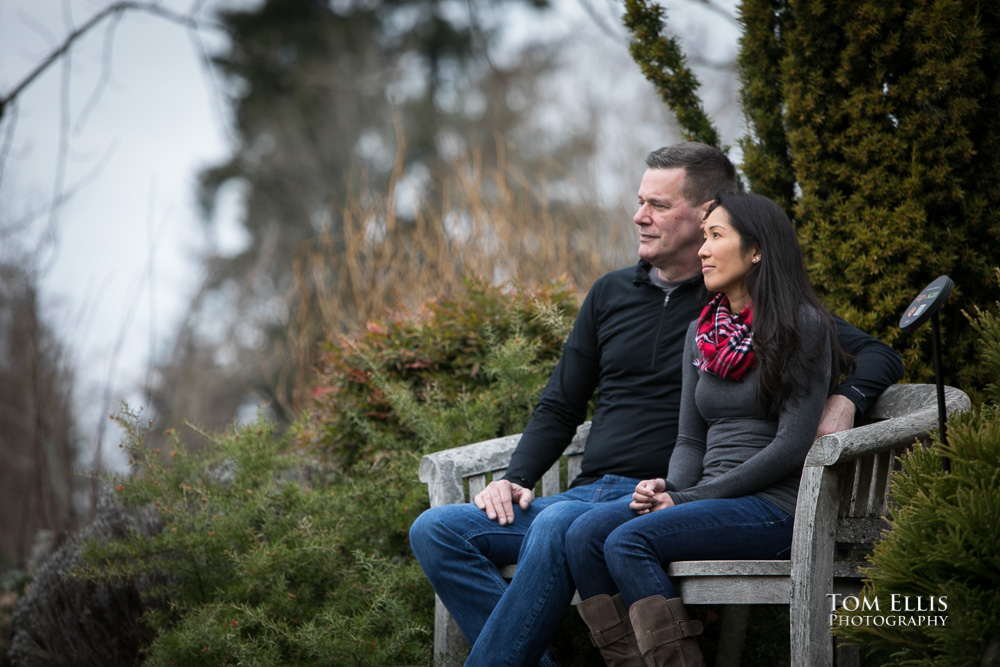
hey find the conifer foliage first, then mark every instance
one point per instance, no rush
(943, 551)
(663, 63)
(465, 367)
(874, 123)
(943, 543)
(943, 546)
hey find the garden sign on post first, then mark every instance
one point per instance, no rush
(926, 305)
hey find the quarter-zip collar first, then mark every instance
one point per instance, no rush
(642, 278)
(642, 269)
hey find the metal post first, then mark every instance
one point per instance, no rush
(942, 414)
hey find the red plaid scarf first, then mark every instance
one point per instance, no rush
(724, 340)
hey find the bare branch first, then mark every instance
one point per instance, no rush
(14, 227)
(211, 74)
(721, 11)
(607, 28)
(5, 146)
(109, 45)
(49, 236)
(117, 8)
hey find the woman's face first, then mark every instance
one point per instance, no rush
(723, 263)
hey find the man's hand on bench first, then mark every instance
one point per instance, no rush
(498, 499)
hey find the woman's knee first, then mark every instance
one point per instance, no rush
(625, 542)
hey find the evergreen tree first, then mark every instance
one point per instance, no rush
(890, 115)
(874, 124)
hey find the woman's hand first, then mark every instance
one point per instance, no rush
(650, 495)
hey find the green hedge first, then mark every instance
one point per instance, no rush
(465, 367)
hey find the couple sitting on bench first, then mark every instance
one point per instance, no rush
(707, 403)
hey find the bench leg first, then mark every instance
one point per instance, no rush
(735, 618)
(450, 647)
(845, 655)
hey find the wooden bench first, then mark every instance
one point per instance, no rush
(843, 497)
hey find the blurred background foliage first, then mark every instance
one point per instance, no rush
(384, 150)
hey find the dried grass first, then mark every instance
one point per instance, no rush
(494, 221)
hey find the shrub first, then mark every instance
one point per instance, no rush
(463, 368)
(247, 550)
(944, 541)
(262, 559)
(256, 553)
(986, 325)
(64, 620)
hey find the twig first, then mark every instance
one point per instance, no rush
(111, 10)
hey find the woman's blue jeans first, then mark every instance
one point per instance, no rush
(461, 551)
(614, 550)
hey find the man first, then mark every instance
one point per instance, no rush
(626, 344)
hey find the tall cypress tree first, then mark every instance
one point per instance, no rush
(891, 120)
(874, 123)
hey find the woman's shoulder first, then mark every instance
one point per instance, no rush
(809, 316)
(690, 346)
(814, 325)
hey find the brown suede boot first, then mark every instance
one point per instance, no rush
(665, 633)
(611, 631)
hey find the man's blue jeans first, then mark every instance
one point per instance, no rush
(615, 550)
(461, 551)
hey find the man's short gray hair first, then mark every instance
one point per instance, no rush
(708, 172)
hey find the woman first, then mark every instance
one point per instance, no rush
(758, 366)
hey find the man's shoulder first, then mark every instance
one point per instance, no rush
(628, 273)
(612, 284)
(626, 276)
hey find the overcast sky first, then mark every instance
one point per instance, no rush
(140, 116)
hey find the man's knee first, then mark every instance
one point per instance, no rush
(433, 526)
(548, 530)
(450, 525)
(578, 534)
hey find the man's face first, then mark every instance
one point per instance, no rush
(669, 228)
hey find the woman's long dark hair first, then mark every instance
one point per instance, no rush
(778, 286)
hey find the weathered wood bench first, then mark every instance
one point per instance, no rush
(843, 497)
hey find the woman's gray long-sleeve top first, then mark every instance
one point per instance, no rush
(726, 450)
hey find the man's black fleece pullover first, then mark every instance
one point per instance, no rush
(627, 344)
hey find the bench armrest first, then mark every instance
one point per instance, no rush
(909, 411)
(444, 471)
